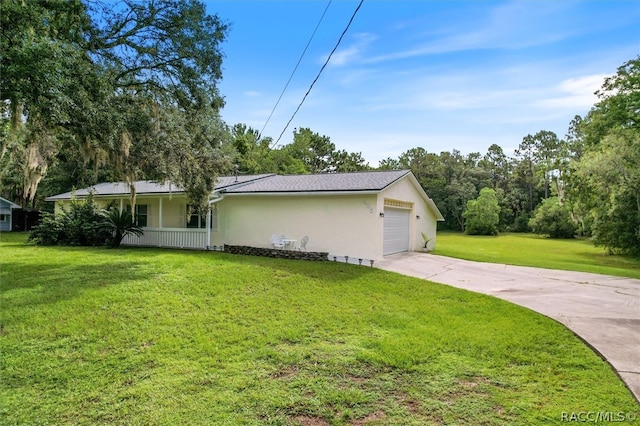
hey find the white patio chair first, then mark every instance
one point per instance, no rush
(277, 242)
(303, 243)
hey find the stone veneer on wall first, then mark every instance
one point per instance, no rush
(282, 254)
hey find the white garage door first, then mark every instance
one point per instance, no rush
(396, 230)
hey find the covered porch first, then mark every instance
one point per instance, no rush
(167, 222)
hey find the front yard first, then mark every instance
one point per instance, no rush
(152, 336)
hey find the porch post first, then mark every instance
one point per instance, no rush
(160, 214)
(209, 227)
(121, 204)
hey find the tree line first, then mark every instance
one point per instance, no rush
(93, 93)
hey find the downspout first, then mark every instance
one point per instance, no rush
(216, 198)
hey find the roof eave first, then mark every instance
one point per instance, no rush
(300, 193)
(224, 191)
(64, 197)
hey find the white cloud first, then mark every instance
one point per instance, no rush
(574, 93)
(252, 93)
(343, 56)
(346, 55)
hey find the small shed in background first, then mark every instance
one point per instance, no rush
(25, 219)
(6, 214)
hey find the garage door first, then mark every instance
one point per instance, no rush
(396, 230)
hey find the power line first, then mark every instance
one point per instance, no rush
(320, 72)
(295, 68)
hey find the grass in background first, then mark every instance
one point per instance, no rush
(152, 336)
(534, 250)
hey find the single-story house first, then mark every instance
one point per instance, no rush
(364, 215)
(6, 214)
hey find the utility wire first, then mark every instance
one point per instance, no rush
(295, 68)
(320, 72)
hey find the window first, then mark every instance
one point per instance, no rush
(4, 218)
(140, 218)
(196, 220)
(141, 214)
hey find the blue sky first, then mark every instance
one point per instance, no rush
(441, 75)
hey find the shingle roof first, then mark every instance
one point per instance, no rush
(148, 187)
(116, 188)
(230, 181)
(252, 184)
(8, 204)
(327, 182)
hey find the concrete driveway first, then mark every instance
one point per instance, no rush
(601, 309)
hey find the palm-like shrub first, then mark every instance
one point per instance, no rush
(79, 224)
(121, 224)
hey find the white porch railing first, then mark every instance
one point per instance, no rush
(169, 237)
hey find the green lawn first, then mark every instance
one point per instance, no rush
(157, 337)
(534, 250)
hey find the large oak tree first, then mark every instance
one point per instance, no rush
(131, 88)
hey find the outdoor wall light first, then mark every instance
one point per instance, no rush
(381, 214)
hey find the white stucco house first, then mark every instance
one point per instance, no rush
(6, 214)
(362, 214)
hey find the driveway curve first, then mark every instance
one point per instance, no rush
(603, 310)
